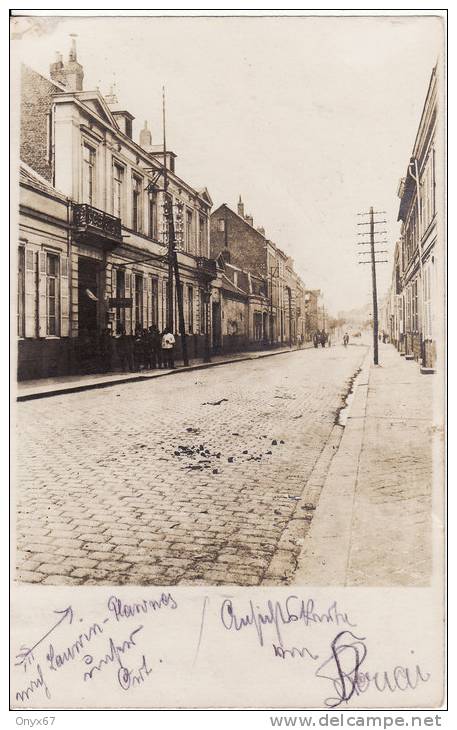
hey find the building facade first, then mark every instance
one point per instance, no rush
(92, 226)
(413, 303)
(314, 312)
(277, 292)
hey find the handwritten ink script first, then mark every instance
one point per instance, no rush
(342, 669)
(323, 645)
(92, 646)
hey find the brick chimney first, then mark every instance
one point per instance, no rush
(261, 230)
(56, 69)
(145, 137)
(249, 219)
(73, 70)
(240, 208)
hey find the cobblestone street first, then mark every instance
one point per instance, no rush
(192, 478)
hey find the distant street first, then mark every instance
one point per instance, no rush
(192, 478)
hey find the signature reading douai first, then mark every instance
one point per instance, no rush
(348, 652)
(344, 670)
(94, 646)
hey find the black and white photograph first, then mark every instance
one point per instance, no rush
(228, 267)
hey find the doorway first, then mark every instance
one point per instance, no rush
(87, 295)
(216, 321)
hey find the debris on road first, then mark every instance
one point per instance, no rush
(216, 402)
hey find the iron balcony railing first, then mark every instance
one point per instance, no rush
(207, 267)
(88, 218)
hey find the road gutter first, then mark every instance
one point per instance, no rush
(324, 556)
(288, 565)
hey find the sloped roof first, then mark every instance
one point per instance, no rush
(28, 176)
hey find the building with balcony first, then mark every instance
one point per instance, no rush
(109, 237)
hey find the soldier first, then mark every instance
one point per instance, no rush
(138, 348)
(155, 345)
(125, 349)
(168, 343)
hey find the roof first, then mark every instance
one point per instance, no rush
(231, 287)
(28, 176)
(233, 212)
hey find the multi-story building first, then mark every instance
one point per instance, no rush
(96, 196)
(417, 258)
(392, 312)
(277, 314)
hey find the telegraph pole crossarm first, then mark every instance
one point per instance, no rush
(372, 259)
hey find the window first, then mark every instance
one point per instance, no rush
(414, 310)
(88, 174)
(52, 294)
(189, 241)
(138, 300)
(257, 326)
(152, 216)
(118, 190)
(21, 292)
(427, 296)
(136, 203)
(154, 300)
(221, 225)
(190, 309)
(120, 294)
(202, 235)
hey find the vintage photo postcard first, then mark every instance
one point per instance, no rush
(228, 252)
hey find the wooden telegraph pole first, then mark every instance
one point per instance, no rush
(173, 265)
(372, 253)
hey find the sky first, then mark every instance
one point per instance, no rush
(311, 120)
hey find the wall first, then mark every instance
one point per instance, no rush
(245, 244)
(36, 93)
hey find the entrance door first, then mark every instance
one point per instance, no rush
(216, 325)
(87, 295)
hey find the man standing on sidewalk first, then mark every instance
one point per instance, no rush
(168, 343)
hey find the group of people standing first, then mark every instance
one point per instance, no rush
(145, 350)
(321, 337)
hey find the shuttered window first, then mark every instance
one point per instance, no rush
(52, 294)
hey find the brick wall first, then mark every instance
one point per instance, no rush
(235, 316)
(36, 93)
(245, 244)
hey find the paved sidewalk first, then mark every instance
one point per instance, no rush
(46, 387)
(373, 523)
